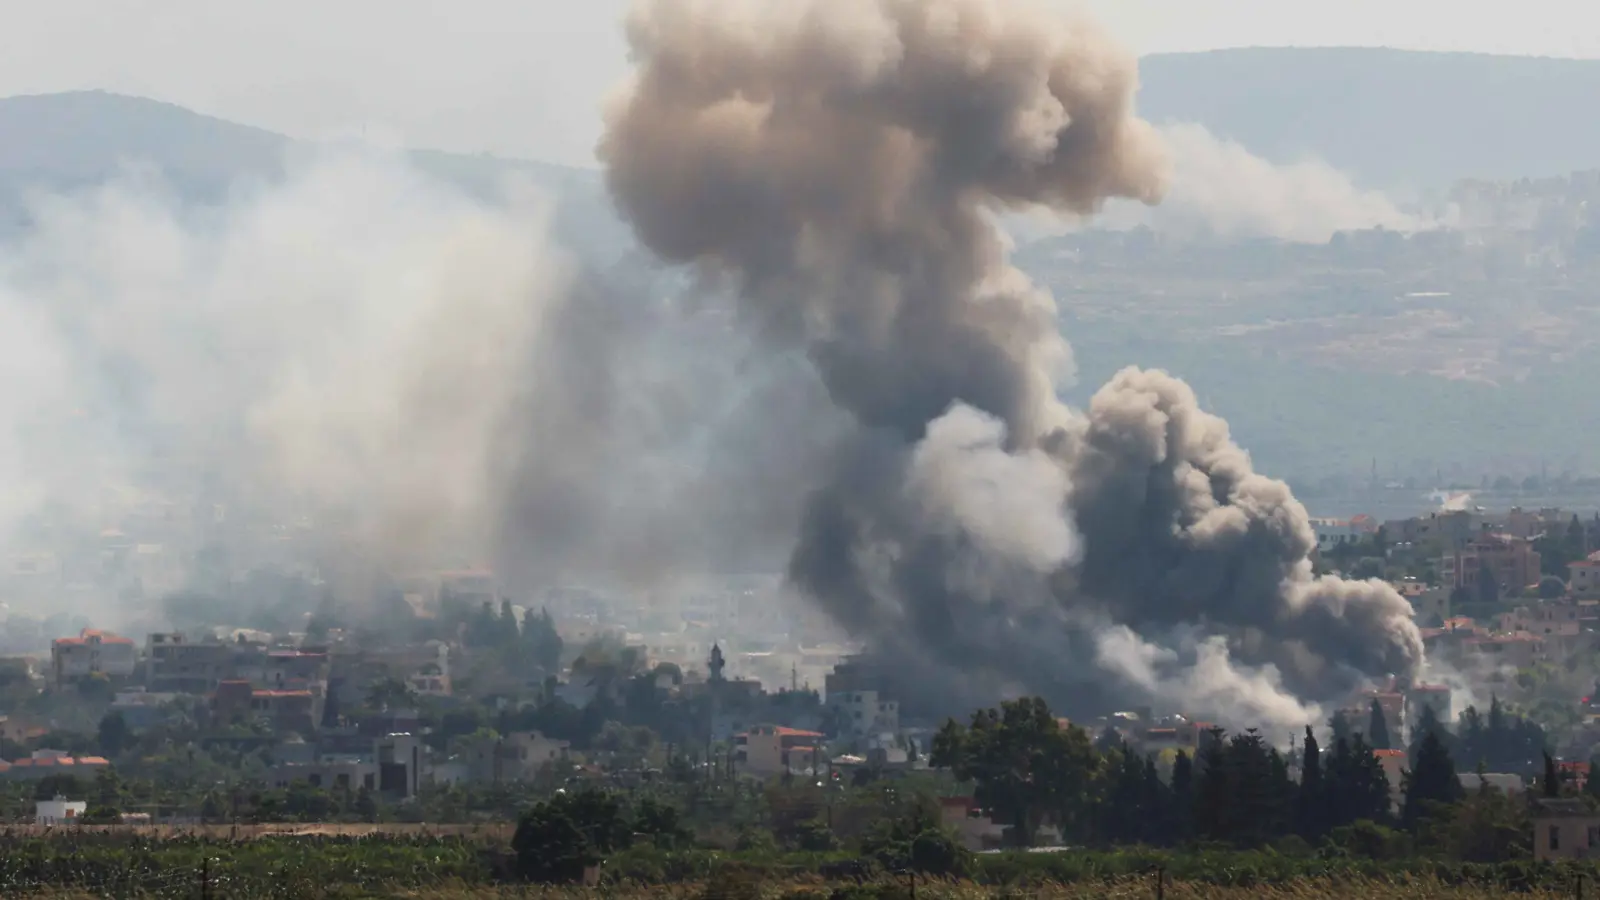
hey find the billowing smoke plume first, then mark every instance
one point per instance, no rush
(837, 164)
(360, 363)
(351, 338)
(1219, 189)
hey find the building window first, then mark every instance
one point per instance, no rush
(1555, 837)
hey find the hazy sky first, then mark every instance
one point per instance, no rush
(525, 77)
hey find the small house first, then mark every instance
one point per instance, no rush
(1564, 829)
(59, 811)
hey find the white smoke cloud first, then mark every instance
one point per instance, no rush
(1199, 675)
(348, 340)
(1012, 504)
(1218, 188)
(1221, 188)
(366, 366)
(1451, 501)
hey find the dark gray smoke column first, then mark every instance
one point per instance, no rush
(836, 162)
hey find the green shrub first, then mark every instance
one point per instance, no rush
(550, 847)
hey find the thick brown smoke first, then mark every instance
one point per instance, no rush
(837, 163)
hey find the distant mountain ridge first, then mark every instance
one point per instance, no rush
(66, 141)
(1391, 118)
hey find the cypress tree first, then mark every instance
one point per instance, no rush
(1432, 779)
(1378, 728)
(1370, 785)
(1309, 814)
(1213, 792)
(1552, 778)
(1340, 726)
(1355, 784)
(1157, 803)
(1182, 802)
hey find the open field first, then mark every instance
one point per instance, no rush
(391, 861)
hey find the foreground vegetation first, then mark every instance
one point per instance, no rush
(84, 864)
(1126, 889)
(1230, 822)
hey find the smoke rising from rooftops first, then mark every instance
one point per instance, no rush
(837, 164)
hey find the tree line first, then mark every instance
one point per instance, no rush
(1032, 771)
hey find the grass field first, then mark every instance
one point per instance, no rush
(289, 862)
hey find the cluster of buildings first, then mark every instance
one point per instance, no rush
(295, 695)
(292, 692)
(1473, 555)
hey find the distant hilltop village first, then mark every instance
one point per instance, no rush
(1508, 603)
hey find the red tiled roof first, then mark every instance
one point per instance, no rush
(1388, 754)
(280, 693)
(105, 637)
(796, 732)
(48, 762)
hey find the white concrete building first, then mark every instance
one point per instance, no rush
(1428, 696)
(1583, 576)
(864, 714)
(59, 811)
(516, 757)
(1332, 532)
(92, 653)
(1499, 781)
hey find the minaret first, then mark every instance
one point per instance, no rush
(715, 664)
